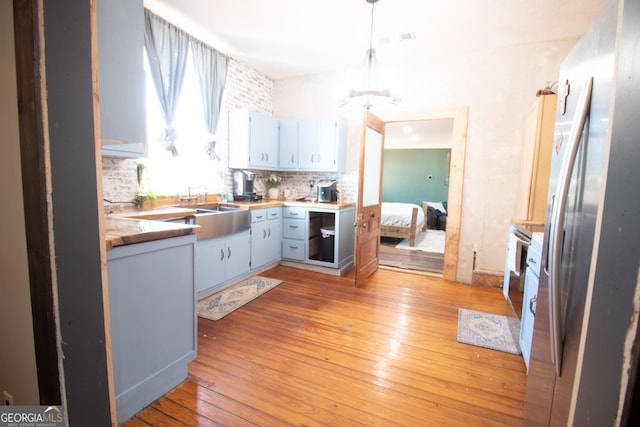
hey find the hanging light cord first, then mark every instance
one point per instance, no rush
(370, 53)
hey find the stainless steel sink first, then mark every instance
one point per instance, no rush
(221, 220)
(217, 209)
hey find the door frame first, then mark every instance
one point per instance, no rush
(456, 173)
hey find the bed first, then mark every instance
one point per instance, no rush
(403, 220)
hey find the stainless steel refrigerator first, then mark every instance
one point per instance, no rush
(585, 354)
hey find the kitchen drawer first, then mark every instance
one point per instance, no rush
(293, 249)
(294, 229)
(258, 215)
(294, 212)
(534, 258)
(274, 213)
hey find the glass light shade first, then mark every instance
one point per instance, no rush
(371, 96)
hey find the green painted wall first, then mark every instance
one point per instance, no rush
(406, 175)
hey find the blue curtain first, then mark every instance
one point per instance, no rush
(211, 67)
(167, 47)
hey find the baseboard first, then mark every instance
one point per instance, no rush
(317, 268)
(489, 279)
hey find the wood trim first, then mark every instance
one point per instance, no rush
(456, 174)
(36, 187)
(99, 202)
(487, 279)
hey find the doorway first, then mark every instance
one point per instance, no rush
(416, 168)
(457, 118)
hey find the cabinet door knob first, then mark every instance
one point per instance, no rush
(531, 261)
(221, 255)
(228, 252)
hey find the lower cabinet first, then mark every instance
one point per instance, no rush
(319, 236)
(221, 259)
(153, 319)
(266, 236)
(294, 233)
(529, 299)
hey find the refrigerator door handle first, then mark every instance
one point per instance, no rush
(557, 224)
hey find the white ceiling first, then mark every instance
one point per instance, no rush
(293, 38)
(434, 133)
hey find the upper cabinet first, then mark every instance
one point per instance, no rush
(253, 140)
(289, 129)
(121, 77)
(536, 159)
(318, 144)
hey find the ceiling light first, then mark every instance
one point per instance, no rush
(397, 38)
(370, 96)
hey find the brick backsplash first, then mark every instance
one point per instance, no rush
(245, 88)
(119, 179)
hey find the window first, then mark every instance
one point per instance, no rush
(170, 175)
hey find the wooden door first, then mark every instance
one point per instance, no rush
(369, 198)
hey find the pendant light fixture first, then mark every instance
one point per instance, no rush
(370, 96)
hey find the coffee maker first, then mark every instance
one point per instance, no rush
(243, 186)
(327, 192)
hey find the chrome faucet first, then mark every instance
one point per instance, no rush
(195, 196)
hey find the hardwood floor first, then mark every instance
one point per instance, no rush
(316, 351)
(409, 259)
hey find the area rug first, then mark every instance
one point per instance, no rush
(218, 305)
(488, 330)
(426, 241)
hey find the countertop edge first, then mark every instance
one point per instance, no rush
(130, 227)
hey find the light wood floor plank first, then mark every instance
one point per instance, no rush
(316, 351)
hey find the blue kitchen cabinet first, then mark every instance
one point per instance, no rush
(294, 233)
(221, 259)
(210, 263)
(152, 319)
(322, 144)
(253, 140)
(313, 144)
(266, 236)
(532, 278)
(289, 150)
(121, 77)
(303, 239)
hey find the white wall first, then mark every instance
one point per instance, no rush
(499, 87)
(17, 353)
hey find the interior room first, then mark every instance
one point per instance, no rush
(217, 212)
(416, 168)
